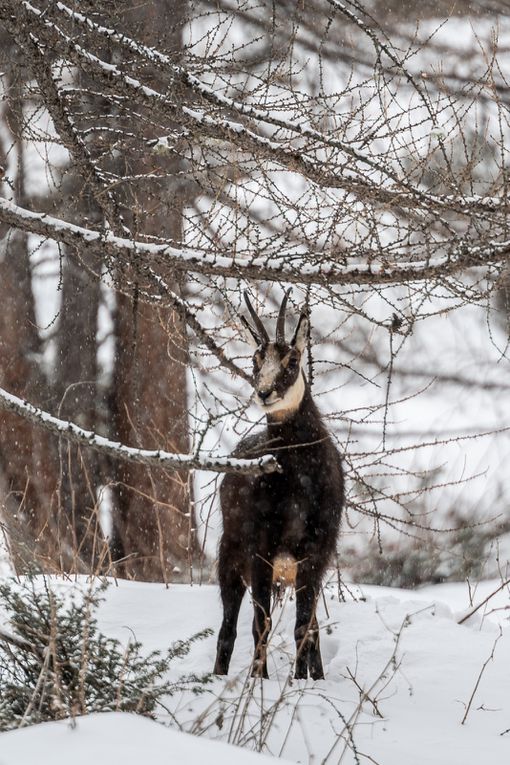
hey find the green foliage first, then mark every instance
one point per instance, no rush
(55, 662)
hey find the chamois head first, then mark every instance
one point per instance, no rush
(278, 378)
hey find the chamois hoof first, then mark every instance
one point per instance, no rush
(220, 668)
(303, 675)
(304, 667)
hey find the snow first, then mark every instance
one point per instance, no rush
(5, 564)
(404, 648)
(272, 268)
(115, 737)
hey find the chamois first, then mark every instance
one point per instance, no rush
(294, 512)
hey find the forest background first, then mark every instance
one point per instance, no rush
(157, 160)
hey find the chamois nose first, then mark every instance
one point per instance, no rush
(264, 394)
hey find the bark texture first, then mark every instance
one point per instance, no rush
(153, 524)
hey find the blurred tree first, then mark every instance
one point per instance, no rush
(28, 459)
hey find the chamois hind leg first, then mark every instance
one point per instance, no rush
(261, 585)
(306, 633)
(232, 589)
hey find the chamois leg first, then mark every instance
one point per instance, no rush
(306, 633)
(232, 588)
(261, 584)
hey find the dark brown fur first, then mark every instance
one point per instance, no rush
(294, 512)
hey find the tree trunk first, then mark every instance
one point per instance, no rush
(153, 521)
(27, 454)
(76, 371)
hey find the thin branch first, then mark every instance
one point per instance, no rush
(484, 601)
(17, 642)
(480, 675)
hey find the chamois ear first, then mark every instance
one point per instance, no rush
(249, 334)
(302, 333)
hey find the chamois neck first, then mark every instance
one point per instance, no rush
(302, 424)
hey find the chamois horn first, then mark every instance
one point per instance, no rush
(280, 324)
(261, 330)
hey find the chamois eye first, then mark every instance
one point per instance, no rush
(293, 362)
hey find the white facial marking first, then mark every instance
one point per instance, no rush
(270, 369)
(289, 402)
(279, 406)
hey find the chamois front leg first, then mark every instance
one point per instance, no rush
(261, 584)
(306, 633)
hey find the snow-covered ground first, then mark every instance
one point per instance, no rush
(401, 674)
(116, 738)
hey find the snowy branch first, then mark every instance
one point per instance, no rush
(17, 642)
(245, 130)
(370, 270)
(153, 458)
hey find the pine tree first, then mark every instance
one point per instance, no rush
(56, 663)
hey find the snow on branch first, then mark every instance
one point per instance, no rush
(154, 458)
(232, 131)
(237, 130)
(304, 269)
(246, 136)
(261, 115)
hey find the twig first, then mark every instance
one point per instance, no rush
(24, 645)
(480, 674)
(483, 602)
(363, 695)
